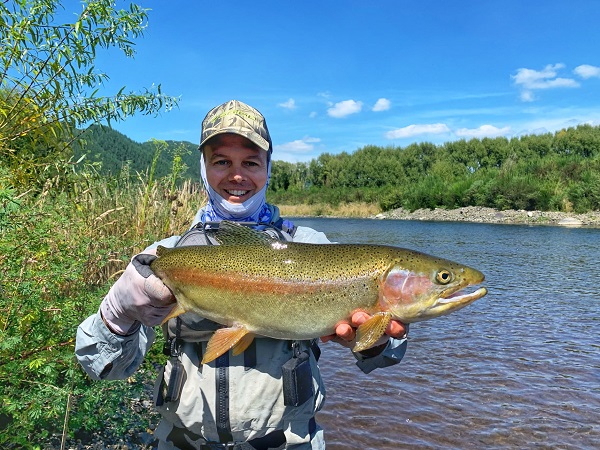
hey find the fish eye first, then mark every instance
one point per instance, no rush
(444, 276)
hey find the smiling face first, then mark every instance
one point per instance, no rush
(235, 167)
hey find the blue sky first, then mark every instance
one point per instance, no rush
(336, 75)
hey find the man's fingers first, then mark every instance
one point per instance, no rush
(345, 331)
(395, 329)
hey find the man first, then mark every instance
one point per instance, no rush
(240, 401)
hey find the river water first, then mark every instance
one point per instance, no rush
(519, 368)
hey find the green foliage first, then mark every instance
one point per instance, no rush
(112, 151)
(50, 85)
(545, 172)
(59, 253)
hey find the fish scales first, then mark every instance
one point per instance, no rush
(272, 290)
(255, 284)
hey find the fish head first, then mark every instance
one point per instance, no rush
(419, 287)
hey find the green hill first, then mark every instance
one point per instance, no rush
(114, 150)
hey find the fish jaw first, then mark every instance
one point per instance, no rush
(414, 296)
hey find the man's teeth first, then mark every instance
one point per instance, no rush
(237, 193)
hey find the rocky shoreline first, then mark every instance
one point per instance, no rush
(478, 214)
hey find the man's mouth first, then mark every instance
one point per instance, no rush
(236, 192)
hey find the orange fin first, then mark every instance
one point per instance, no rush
(224, 340)
(242, 344)
(176, 311)
(370, 331)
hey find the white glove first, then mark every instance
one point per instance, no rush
(138, 296)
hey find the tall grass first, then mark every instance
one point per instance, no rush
(59, 254)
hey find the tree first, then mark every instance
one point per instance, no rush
(49, 83)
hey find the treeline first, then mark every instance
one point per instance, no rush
(552, 171)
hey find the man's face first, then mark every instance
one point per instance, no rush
(235, 168)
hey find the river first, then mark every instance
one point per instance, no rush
(519, 368)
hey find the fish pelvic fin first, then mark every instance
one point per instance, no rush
(369, 332)
(237, 338)
(176, 311)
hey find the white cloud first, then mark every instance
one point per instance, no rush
(586, 71)
(296, 151)
(482, 131)
(416, 130)
(299, 145)
(290, 104)
(383, 104)
(345, 108)
(529, 80)
(527, 96)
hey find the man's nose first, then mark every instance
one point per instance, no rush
(237, 175)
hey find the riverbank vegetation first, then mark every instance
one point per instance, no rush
(548, 172)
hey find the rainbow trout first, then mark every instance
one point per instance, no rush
(257, 285)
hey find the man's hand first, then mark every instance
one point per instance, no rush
(345, 333)
(138, 296)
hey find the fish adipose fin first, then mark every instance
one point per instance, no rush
(369, 332)
(232, 233)
(225, 339)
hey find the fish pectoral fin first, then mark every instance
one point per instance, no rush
(369, 332)
(224, 340)
(176, 311)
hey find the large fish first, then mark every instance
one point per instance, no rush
(257, 285)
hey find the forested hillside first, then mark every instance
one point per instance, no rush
(114, 151)
(553, 171)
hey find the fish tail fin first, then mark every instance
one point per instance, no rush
(369, 332)
(225, 339)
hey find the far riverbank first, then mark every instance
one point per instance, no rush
(475, 214)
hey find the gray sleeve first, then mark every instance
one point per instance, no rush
(107, 356)
(307, 235)
(391, 355)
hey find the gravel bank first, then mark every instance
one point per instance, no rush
(479, 214)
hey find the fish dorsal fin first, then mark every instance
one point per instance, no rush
(162, 251)
(232, 233)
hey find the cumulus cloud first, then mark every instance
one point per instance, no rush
(586, 71)
(345, 108)
(383, 104)
(530, 80)
(482, 131)
(306, 144)
(296, 151)
(416, 130)
(290, 104)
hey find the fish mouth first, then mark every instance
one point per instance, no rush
(460, 298)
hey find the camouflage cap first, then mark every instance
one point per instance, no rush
(236, 117)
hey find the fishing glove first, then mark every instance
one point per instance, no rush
(138, 296)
